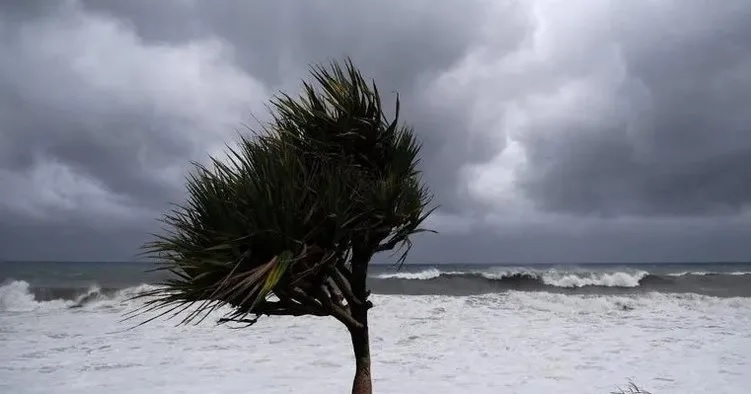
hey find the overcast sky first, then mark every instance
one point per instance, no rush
(595, 131)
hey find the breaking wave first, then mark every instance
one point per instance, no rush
(549, 278)
(435, 281)
(19, 296)
(705, 273)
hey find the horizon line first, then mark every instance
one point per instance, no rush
(414, 263)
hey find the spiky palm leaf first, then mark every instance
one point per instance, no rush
(344, 121)
(273, 230)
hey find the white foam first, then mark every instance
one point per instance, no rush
(521, 342)
(684, 273)
(605, 279)
(705, 273)
(430, 273)
(507, 272)
(16, 297)
(550, 278)
(571, 279)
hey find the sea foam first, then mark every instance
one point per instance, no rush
(522, 342)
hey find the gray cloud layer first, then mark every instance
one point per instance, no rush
(599, 132)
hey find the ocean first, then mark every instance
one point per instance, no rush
(589, 328)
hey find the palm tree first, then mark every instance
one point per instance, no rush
(289, 222)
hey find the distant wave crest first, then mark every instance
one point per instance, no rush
(549, 278)
(705, 273)
(495, 279)
(19, 296)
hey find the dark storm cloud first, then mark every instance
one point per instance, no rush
(104, 109)
(402, 44)
(85, 96)
(276, 40)
(543, 127)
(684, 147)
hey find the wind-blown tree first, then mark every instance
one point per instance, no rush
(289, 222)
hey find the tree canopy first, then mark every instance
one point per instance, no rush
(288, 222)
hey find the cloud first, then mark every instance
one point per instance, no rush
(614, 109)
(404, 45)
(86, 97)
(599, 131)
(99, 127)
(49, 187)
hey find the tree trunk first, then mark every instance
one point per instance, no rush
(362, 383)
(360, 343)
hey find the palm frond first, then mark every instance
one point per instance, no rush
(264, 231)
